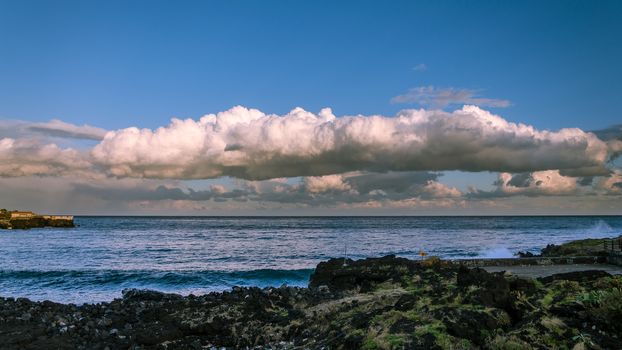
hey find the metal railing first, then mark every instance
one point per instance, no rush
(613, 245)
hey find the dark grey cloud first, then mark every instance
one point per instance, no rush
(359, 188)
(52, 129)
(613, 132)
(613, 136)
(84, 132)
(520, 180)
(586, 181)
(587, 171)
(391, 182)
(156, 194)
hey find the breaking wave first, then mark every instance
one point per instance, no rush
(496, 253)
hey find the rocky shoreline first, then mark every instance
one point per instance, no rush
(26, 220)
(379, 303)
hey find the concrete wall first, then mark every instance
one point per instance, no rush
(532, 261)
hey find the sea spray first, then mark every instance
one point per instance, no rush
(496, 253)
(600, 230)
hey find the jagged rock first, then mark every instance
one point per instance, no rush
(345, 274)
(526, 254)
(474, 325)
(494, 289)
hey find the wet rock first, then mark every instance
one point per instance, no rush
(147, 295)
(526, 254)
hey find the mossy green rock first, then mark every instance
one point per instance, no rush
(583, 247)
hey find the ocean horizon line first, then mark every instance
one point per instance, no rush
(344, 216)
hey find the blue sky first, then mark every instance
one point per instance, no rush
(120, 64)
(114, 64)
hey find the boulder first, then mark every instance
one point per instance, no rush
(345, 274)
(494, 289)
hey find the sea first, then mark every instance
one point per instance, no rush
(102, 256)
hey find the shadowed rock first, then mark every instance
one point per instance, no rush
(579, 276)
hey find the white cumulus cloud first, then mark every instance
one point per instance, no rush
(436, 189)
(328, 183)
(538, 183)
(248, 144)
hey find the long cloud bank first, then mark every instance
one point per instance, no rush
(248, 144)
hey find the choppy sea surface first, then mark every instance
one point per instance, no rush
(97, 260)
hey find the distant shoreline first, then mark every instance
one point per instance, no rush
(23, 220)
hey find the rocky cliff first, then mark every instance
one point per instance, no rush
(8, 220)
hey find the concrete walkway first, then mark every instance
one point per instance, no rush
(535, 271)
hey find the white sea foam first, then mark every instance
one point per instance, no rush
(601, 229)
(496, 252)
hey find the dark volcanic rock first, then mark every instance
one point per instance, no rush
(59, 223)
(526, 254)
(494, 288)
(474, 325)
(385, 303)
(147, 295)
(35, 222)
(345, 274)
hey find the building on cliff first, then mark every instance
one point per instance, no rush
(22, 215)
(58, 217)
